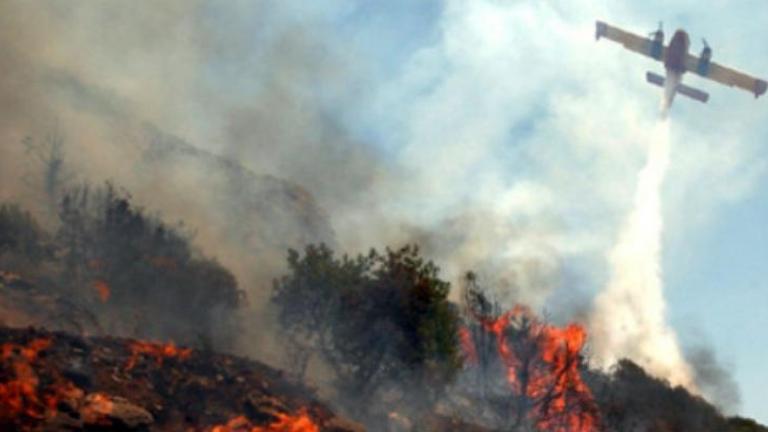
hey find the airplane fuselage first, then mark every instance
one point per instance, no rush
(674, 63)
(678, 48)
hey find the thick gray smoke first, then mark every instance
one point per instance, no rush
(126, 89)
(714, 379)
(121, 83)
(243, 142)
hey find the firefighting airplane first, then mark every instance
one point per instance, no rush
(678, 61)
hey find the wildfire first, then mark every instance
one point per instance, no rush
(35, 394)
(542, 366)
(156, 350)
(21, 395)
(33, 397)
(18, 396)
(300, 422)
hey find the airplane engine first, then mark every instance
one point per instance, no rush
(706, 55)
(657, 46)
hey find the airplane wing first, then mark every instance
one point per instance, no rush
(631, 41)
(724, 75)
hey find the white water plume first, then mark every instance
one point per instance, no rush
(629, 316)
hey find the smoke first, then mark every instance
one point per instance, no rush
(127, 88)
(510, 257)
(271, 87)
(714, 379)
(629, 317)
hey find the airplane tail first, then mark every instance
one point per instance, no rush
(683, 89)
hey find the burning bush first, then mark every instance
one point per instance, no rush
(539, 364)
(542, 368)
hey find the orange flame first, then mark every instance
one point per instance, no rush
(102, 289)
(158, 351)
(545, 369)
(468, 346)
(18, 396)
(21, 396)
(97, 407)
(301, 422)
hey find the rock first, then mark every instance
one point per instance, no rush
(102, 410)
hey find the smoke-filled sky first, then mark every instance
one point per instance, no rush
(497, 133)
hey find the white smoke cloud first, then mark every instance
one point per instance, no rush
(504, 116)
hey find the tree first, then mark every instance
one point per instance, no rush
(309, 299)
(21, 236)
(51, 174)
(381, 322)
